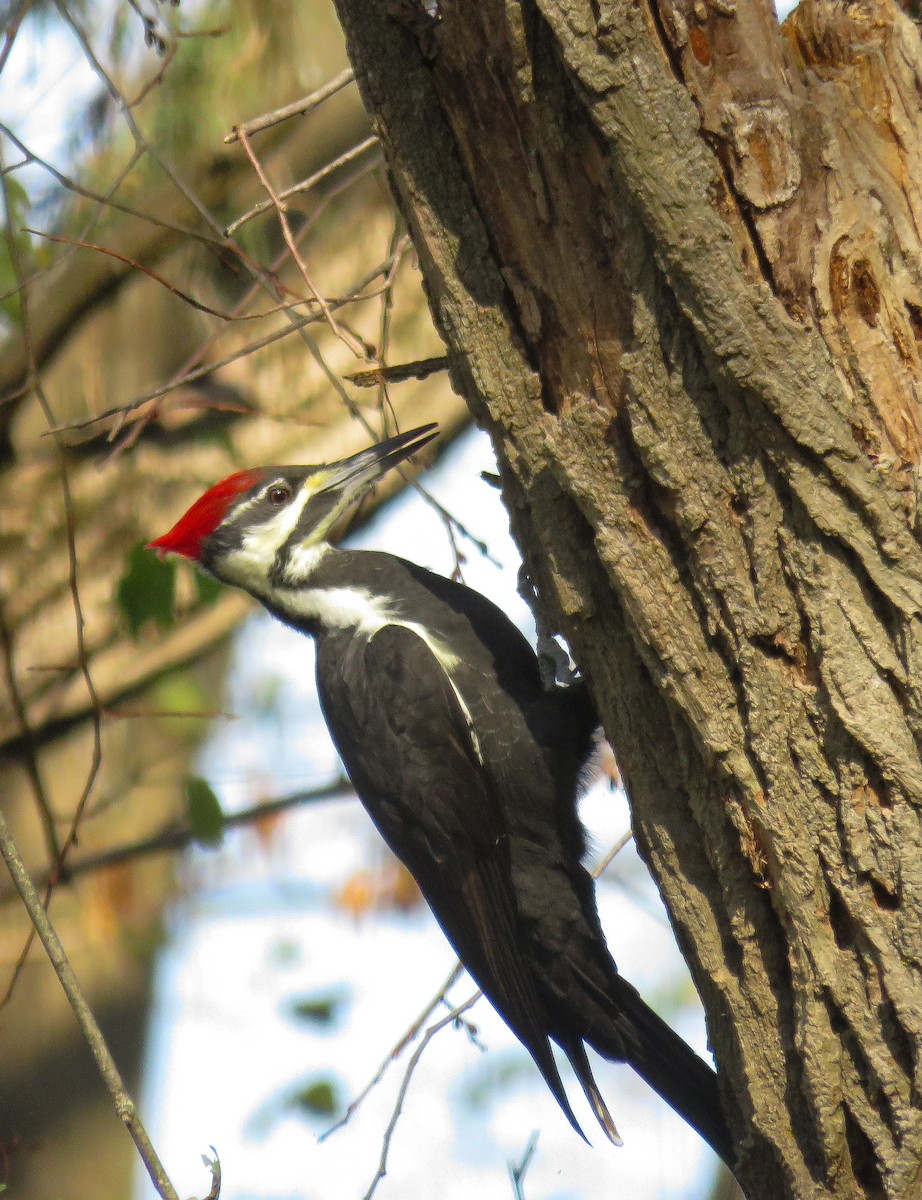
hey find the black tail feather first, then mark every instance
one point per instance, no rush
(544, 1060)
(670, 1067)
(576, 1053)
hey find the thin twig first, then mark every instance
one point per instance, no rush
(260, 275)
(299, 108)
(420, 368)
(13, 22)
(518, 1172)
(220, 243)
(34, 381)
(387, 310)
(102, 202)
(27, 736)
(395, 1052)
(306, 184)
(178, 836)
(335, 189)
(152, 36)
(142, 143)
(404, 1087)
(20, 961)
(124, 1105)
(413, 1032)
(199, 354)
(452, 522)
(157, 278)
(603, 866)
(159, 75)
(125, 410)
(109, 201)
(144, 146)
(348, 339)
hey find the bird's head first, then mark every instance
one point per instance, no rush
(267, 527)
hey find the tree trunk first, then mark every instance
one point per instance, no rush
(674, 251)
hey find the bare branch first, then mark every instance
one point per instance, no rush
(405, 1084)
(517, 1172)
(151, 273)
(143, 144)
(14, 20)
(297, 324)
(177, 836)
(124, 1105)
(28, 741)
(606, 862)
(299, 108)
(34, 380)
(345, 336)
(413, 1032)
(398, 239)
(306, 184)
(395, 1052)
(421, 368)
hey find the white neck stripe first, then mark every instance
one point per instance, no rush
(357, 609)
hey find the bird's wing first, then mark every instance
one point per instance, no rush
(411, 752)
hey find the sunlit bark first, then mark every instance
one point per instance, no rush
(674, 250)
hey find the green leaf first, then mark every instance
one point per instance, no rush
(208, 588)
(18, 206)
(10, 305)
(18, 202)
(203, 812)
(318, 1010)
(320, 1099)
(146, 590)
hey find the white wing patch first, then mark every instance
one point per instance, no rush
(475, 740)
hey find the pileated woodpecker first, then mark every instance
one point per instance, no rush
(467, 765)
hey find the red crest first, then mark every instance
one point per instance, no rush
(205, 515)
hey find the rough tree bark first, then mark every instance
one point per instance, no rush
(674, 251)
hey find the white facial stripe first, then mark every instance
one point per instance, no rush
(249, 564)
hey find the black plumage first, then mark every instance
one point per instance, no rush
(466, 764)
(480, 805)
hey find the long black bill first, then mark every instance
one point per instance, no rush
(352, 475)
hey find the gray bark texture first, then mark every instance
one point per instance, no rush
(674, 249)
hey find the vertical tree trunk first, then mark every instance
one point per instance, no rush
(674, 250)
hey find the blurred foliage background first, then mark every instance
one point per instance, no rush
(144, 353)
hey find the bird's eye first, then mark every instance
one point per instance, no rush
(279, 495)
